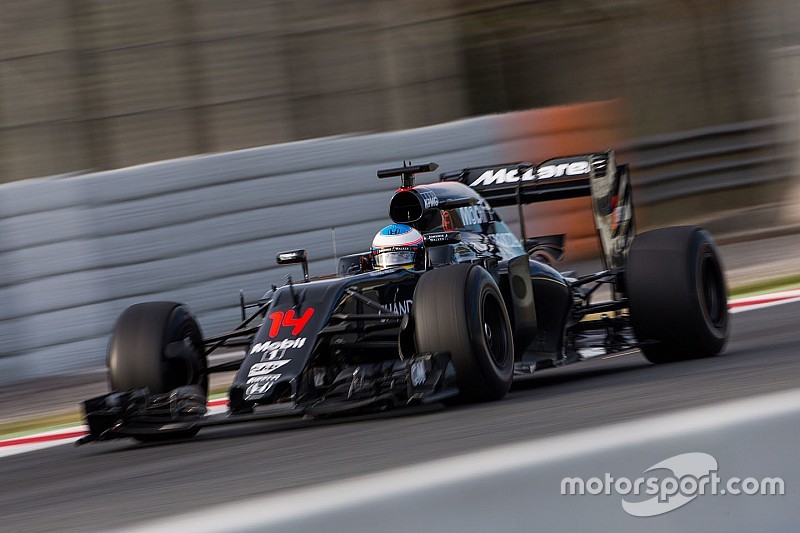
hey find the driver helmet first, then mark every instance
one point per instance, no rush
(396, 245)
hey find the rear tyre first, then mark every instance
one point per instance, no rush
(459, 309)
(158, 346)
(677, 296)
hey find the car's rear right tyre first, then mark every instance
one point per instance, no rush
(677, 295)
(459, 309)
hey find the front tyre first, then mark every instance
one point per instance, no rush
(677, 296)
(157, 346)
(459, 309)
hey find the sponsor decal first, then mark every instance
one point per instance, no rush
(263, 379)
(436, 238)
(400, 308)
(287, 319)
(690, 475)
(511, 175)
(394, 229)
(429, 198)
(576, 168)
(260, 369)
(262, 384)
(271, 346)
(473, 214)
(398, 249)
(492, 177)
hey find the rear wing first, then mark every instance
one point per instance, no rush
(596, 175)
(525, 183)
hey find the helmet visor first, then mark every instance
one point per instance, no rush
(390, 259)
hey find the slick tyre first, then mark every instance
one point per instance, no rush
(677, 295)
(459, 309)
(158, 346)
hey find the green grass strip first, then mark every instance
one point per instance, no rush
(764, 286)
(23, 428)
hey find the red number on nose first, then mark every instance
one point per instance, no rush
(275, 326)
(287, 319)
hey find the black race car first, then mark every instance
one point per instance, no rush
(481, 308)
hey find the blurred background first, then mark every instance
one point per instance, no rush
(99, 84)
(700, 95)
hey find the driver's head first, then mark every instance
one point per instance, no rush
(396, 245)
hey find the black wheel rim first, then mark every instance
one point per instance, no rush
(712, 291)
(494, 329)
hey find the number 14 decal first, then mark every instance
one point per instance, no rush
(287, 319)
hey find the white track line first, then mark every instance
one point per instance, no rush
(778, 295)
(750, 303)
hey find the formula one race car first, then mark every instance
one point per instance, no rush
(477, 308)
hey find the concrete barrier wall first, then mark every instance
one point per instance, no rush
(76, 250)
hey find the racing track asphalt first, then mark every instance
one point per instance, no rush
(123, 483)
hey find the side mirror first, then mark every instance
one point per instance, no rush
(292, 257)
(354, 264)
(441, 238)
